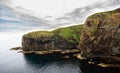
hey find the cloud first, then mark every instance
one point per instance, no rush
(28, 21)
(10, 18)
(80, 14)
(4, 1)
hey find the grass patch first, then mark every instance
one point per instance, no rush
(71, 33)
(38, 34)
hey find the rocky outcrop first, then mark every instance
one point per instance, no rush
(101, 34)
(60, 39)
(47, 43)
(100, 39)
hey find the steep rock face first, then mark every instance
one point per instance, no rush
(47, 43)
(60, 39)
(101, 34)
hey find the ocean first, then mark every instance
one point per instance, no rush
(15, 62)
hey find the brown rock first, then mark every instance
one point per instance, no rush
(101, 34)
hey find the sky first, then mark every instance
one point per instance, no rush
(49, 14)
(50, 7)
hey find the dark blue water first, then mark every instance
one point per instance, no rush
(14, 62)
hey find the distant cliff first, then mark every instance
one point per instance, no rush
(59, 39)
(101, 34)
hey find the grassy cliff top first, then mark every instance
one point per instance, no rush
(99, 18)
(67, 32)
(37, 34)
(102, 15)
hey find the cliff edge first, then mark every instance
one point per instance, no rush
(56, 40)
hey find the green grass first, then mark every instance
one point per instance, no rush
(71, 33)
(38, 34)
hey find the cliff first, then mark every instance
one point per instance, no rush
(59, 39)
(101, 34)
(100, 39)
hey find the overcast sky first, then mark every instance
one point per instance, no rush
(51, 7)
(49, 14)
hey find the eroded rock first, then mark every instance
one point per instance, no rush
(101, 34)
(100, 39)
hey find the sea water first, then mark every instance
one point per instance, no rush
(14, 62)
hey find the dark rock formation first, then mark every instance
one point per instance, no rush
(47, 43)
